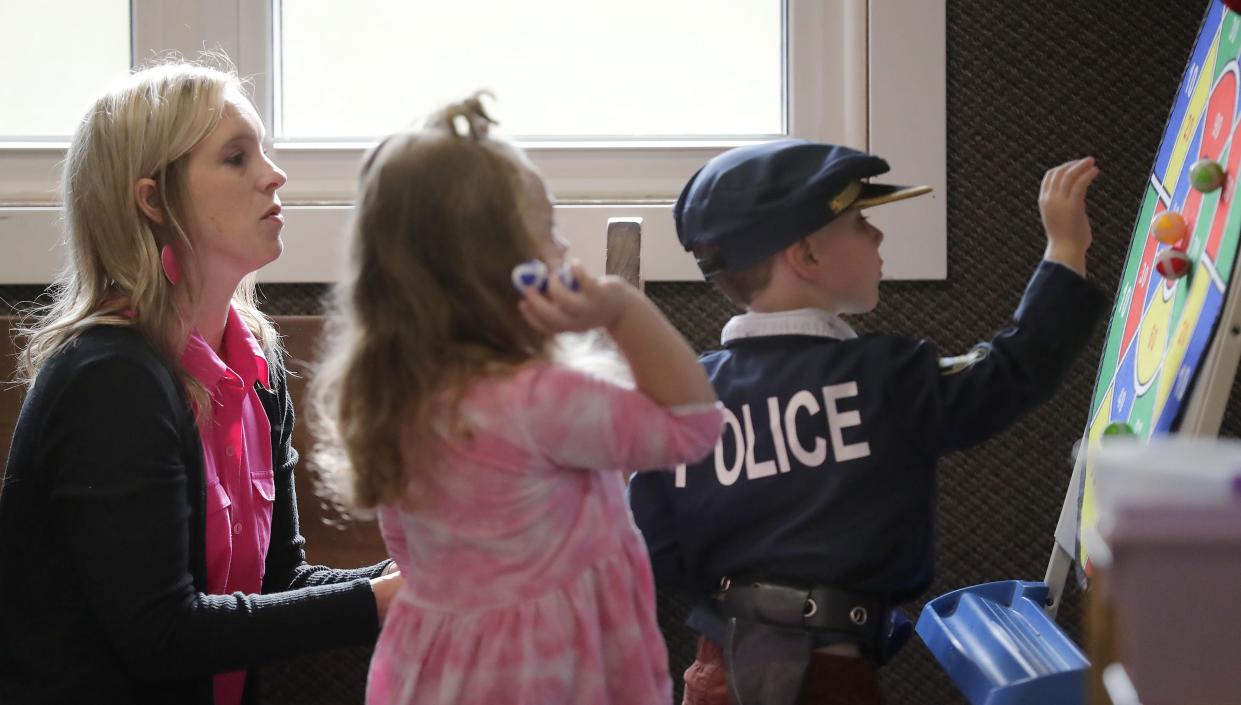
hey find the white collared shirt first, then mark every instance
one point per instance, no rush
(802, 321)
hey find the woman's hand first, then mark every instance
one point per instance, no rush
(385, 588)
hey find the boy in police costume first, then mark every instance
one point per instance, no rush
(814, 518)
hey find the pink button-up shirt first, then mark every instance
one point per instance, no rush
(237, 467)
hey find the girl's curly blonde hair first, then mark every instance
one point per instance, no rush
(426, 304)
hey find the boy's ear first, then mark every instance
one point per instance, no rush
(146, 195)
(801, 258)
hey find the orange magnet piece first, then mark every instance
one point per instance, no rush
(1169, 227)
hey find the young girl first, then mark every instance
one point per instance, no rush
(149, 547)
(495, 464)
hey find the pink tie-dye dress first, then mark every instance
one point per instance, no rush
(526, 580)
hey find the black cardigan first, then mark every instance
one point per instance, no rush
(102, 543)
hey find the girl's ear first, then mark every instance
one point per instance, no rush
(146, 195)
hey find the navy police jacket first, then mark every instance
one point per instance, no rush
(825, 471)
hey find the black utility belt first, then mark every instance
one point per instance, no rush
(817, 608)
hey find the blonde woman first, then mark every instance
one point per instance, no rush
(149, 547)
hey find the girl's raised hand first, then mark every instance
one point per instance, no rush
(664, 366)
(598, 302)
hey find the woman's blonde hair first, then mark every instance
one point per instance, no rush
(426, 304)
(144, 128)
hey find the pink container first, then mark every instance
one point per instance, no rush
(1176, 593)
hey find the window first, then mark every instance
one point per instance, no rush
(52, 69)
(685, 69)
(647, 93)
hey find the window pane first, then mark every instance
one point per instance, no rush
(558, 68)
(56, 56)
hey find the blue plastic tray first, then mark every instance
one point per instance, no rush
(1000, 648)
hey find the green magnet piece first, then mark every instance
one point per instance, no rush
(1119, 428)
(1206, 175)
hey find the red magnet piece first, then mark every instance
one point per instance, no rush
(1172, 263)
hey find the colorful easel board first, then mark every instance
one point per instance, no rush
(1162, 327)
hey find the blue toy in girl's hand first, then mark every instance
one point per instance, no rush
(531, 273)
(566, 277)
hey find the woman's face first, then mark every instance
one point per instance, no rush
(232, 212)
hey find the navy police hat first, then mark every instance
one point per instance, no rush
(751, 202)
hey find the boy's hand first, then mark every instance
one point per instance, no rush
(1062, 204)
(598, 303)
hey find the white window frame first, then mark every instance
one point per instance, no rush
(867, 73)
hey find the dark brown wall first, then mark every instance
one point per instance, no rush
(1031, 84)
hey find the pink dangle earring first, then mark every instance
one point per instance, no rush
(168, 260)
